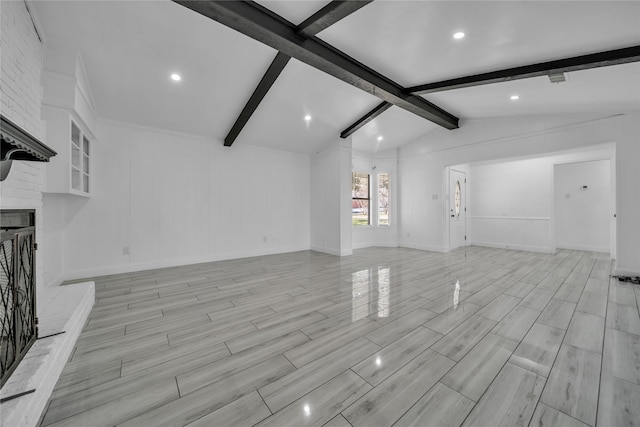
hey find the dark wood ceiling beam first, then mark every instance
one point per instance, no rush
(379, 109)
(325, 17)
(260, 24)
(269, 78)
(329, 15)
(567, 65)
(576, 63)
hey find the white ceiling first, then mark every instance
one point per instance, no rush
(131, 47)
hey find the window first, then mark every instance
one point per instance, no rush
(383, 199)
(79, 160)
(360, 199)
(457, 198)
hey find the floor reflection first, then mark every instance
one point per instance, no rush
(384, 289)
(365, 301)
(456, 294)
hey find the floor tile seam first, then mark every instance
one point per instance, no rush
(395, 320)
(494, 379)
(620, 330)
(338, 374)
(405, 364)
(570, 416)
(564, 334)
(420, 398)
(531, 327)
(470, 349)
(173, 359)
(265, 403)
(602, 354)
(201, 317)
(223, 376)
(553, 365)
(114, 398)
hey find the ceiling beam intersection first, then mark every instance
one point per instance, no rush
(323, 18)
(566, 65)
(260, 24)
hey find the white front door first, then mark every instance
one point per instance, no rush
(457, 209)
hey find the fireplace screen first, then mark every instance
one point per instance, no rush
(17, 289)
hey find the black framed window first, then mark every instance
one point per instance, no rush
(360, 198)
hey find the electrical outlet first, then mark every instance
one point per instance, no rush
(126, 250)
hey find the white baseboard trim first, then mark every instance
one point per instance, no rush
(588, 248)
(66, 309)
(376, 245)
(422, 247)
(332, 251)
(540, 249)
(150, 265)
(627, 272)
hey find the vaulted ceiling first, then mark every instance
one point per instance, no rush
(130, 49)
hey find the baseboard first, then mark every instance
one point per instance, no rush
(422, 247)
(332, 251)
(376, 245)
(627, 272)
(587, 248)
(142, 266)
(527, 248)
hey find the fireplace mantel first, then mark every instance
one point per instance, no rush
(19, 145)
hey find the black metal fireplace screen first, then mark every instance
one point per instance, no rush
(17, 289)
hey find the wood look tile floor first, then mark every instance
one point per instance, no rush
(386, 337)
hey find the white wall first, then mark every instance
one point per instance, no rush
(422, 166)
(331, 200)
(583, 216)
(175, 199)
(511, 205)
(374, 235)
(20, 102)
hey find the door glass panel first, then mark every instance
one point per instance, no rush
(457, 199)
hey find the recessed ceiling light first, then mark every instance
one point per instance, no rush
(459, 35)
(307, 118)
(515, 97)
(176, 77)
(380, 138)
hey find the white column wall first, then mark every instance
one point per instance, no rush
(331, 200)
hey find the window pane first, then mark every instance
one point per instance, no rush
(75, 179)
(85, 145)
(383, 199)
(360, 212)
(360, 199)
(457, 198)
(360, 187)
(75, 134)
(75, 156)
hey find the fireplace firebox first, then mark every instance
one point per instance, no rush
(17, 288)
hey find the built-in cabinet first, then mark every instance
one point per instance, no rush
(70, 171)
(79, 160)
(69, 112)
